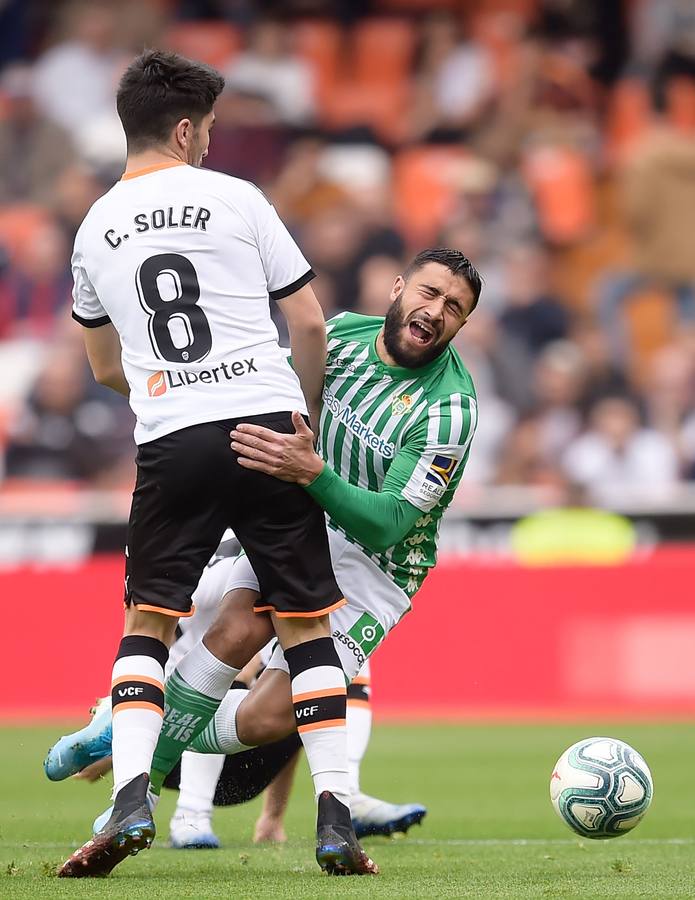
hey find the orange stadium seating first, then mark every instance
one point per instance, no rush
(561, 181)
(19, 223)
(214, 42)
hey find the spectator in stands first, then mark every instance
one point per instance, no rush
(618, 456)
(332, 240)
(15, 31)
(37, 282)
(659, 201)
(500, 367)
(73, 192)
(454, 82)
(68, 428)
(303, 189)
(269, 69)
(501, 371)
(669, 397)
(376, 276)
(523, 461)
(249, 142)
(603, 377)
(75, 79)
(558, 383)
(533, 316)
(465, 233)
(342, 238)
(660, 28)
(33, 151)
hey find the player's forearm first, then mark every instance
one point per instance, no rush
(308, 343)
(103, 348)
(376, 520)
(116, 381)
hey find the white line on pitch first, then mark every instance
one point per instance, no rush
(431, 842)
(525, 842)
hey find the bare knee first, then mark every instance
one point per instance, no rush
(257, 724)
(238, 633)
(293, 631)
(267, 713)
(145, 622)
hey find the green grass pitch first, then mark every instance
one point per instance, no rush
(490, 832)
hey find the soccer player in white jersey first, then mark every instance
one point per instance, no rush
(398, 417)
(173, 270)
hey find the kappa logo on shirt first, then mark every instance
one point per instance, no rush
(160, 382)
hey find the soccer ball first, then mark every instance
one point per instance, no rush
(601, 787)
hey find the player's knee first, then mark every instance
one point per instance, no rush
(229, 641)
(152, 624)
(257, 725)
(293, 631)
(238, 633)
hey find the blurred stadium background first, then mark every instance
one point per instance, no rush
(553, 141)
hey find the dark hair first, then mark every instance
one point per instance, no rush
(455, 262)
(157, 90)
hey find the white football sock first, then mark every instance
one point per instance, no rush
(199, 775)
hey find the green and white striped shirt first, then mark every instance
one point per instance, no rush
(392, 429)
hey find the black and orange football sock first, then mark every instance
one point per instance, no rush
(137, 697)
(319, 698)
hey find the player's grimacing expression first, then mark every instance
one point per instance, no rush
(426, 312)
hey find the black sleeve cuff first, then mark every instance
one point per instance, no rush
(91, 323)
(281, 293)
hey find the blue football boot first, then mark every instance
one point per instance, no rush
(129, 830)
(74, 752)
(373, 816)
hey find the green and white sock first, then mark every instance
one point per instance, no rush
(193, 693)
(220, 736)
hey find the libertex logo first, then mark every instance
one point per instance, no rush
(156, 385)
(164, 380)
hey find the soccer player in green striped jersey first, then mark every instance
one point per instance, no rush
(395, 429)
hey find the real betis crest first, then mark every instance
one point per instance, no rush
(401, 405)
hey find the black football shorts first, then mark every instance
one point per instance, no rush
(189, 489)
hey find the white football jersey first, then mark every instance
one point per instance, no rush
(183, 261)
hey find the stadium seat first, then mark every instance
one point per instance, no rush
(380, 107)
(213, 42)
(425, 189)
(382, 51)
(628, 116)
(18, 224)
(680, 104)
(561, 180)
(500, 34)
(319, 42)
(650, 319)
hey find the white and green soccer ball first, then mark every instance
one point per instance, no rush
(601, 787)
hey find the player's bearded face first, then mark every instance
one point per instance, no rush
(399, 343)
(425, 314)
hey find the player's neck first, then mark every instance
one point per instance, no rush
(382, 352)
(148, 159)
